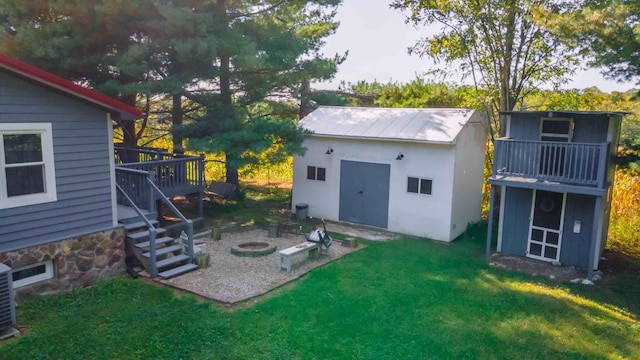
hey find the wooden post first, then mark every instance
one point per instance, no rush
(597, 217)
(490, 223)
(216, 233)
(202, 261)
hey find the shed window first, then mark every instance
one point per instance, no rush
(419, 185)
(26, 165)
(556, 129)
(316, 173)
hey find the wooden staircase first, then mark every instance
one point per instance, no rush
(170, 257)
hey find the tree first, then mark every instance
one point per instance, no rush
(267, 50)
(608, 32)
(205, 64)
(503, 45)
(130, 50)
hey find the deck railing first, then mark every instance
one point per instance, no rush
(174, 174)
(571, 163)
(124, 154)
(136, 189)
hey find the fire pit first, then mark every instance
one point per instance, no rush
(253, 248)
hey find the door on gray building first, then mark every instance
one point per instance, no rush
(545, 231)
(364, 193)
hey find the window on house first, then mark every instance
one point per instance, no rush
(27, 173)
(33, 273)
(419, 185)
(556, 129)
(316, 173)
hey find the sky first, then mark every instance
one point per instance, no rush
(377, 39)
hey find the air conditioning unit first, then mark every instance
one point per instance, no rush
(7, 303)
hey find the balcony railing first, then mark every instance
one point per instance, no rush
(569, 163)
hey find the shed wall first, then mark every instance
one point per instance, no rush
(575, 246)
(515, 220)
(415, 214)
(82, 161)
(587, 128)
(468, 177)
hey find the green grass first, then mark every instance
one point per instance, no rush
(403, 299)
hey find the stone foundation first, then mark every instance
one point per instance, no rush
(77, 262)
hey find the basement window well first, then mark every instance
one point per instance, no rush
(33, 273)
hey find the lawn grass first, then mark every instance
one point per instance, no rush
(403, 299)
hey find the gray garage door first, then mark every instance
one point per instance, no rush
(364, 193)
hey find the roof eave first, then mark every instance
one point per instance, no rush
(550, 113)
(117, 109)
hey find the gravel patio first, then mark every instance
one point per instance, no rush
(230, 279)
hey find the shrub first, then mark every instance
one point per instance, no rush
(624, 227)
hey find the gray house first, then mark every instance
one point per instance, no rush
(63, 198)
(555, 171)
(58, 227)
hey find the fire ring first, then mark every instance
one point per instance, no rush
(253, 248)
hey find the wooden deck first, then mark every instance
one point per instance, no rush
(173, 174)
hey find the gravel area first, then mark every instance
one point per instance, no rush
(230, 278)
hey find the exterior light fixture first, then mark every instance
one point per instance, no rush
(400, 156)
(329, 151)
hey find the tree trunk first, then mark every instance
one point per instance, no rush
(232, 174)
(176, 119)
(305, 101)
(227, 114)
(129, 132)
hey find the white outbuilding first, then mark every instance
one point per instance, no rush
(410, 171)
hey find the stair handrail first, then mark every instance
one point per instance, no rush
(153, 269)
(187, 222)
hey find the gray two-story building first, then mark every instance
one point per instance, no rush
(555, 173)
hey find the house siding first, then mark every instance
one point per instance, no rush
(516, 225)
(590, 129)
(525, 127)
(82, 162)
(575, 246)
(515, 220)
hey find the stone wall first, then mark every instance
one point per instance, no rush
(79, 261)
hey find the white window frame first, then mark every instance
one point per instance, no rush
(48, 274)
(315, 173)
(567, 136)
(46, 137)
(419, 185)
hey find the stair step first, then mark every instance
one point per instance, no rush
(162, 240)
(164, 250)
(172, 260)
(144, 234)
(178, 270)
(139, 225)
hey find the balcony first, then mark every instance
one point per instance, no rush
(551, 163)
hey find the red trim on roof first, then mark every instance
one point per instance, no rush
(51, 80)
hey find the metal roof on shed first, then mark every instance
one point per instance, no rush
(416, 125)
